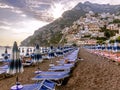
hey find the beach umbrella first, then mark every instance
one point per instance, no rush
(103, 47)
(37, 55)
(33, 58)
(27, 52)
(109, 47)
(58, 52)
(22, 50)
(6, 55)
(15, 65)
(51, 55)
(115, 47)
(99, 47)
(31, 50)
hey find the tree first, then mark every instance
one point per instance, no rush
(100, 42)
(118, 39)
(107, 34)
(112, 41)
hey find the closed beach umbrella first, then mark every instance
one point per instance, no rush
(6, 55)
(15, 65)
(51, 52)
(99, 47)
(33, 57)
(115, 47)
(109, 47)
(59, 51)
(51, 55)
(37, 54)
(103, 47)
(27, 53)
(22, 50)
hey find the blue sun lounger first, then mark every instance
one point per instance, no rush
(48, 73)
(44, 85)
(50, 77)
(3, 70)
(4, 67)
(56, 78)
(59, 68)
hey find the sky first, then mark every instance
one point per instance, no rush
(20, 18)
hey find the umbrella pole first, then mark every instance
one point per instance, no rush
(17, 81)
(38, 66)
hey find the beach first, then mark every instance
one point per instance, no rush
(26, 76)
(92, 73)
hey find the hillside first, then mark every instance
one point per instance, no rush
(51, 33)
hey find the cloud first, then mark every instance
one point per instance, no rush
(20, 18)
(3, 5)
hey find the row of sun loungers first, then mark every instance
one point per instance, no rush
(114, 56)
(60, 72)
(47, 80)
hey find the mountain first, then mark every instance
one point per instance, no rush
(49, 34)
(97, 8)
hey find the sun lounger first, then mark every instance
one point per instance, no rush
(56, 78)
(50, 77)
(44, 85)
(53, 73)
(60, 68)
(4, 67)
(3, 70)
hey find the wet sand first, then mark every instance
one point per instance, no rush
(92, 73)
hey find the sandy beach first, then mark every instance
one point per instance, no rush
(92, 73)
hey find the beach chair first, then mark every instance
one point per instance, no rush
(60, 68)
(44, 85)
(4, 67)
(52, 73)
(56, 78)
(3, 70)
(47, 85)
